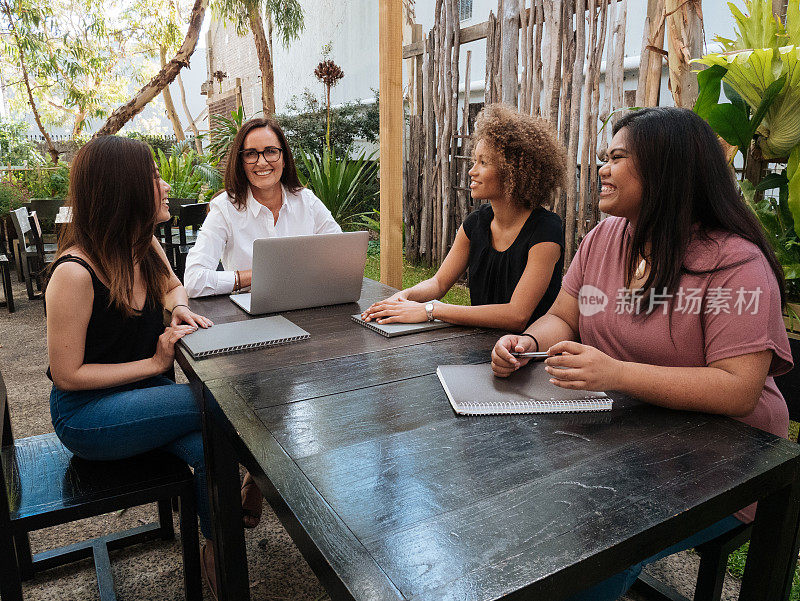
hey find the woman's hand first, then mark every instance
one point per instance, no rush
(396, 311)
(581, 367)
(503, 362)
(184, 315)
(165, 349)
(397, 296)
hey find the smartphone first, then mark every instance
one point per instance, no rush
(535, 356)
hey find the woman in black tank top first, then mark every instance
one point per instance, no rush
(108, 347)
(512, 248)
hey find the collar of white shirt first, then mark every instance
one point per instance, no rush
(256, 207)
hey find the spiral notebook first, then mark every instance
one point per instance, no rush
(474, 390)
(244, 335)
(390, 330)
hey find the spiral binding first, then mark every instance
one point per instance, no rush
(244, 347)
(535, 406)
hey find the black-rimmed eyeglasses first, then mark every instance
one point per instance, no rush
(271, 154)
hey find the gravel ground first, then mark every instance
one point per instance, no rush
(152, 571)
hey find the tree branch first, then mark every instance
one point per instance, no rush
(163, 78)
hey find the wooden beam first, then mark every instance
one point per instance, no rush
(390, 48)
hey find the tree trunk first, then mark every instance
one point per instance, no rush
(171, 112)
(264, 61)
(50, 147)
(197, 143)
(162, 79)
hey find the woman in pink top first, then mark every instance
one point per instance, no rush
(675, 299)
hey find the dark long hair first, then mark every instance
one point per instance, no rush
(114, 216)
(686, 181)
(236, 183)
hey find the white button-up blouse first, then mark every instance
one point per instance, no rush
(228, 234)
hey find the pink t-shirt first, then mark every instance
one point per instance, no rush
(729, 312)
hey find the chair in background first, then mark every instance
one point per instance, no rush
(168, 233)
(34, 254)
(5, 276)
(46, 209)
(189, 221)
(45, 485)
(714, 554)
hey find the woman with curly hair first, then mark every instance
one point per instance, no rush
(512, 246)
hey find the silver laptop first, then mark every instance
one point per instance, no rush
(298, 272)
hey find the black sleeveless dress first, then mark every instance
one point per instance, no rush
(112, 336)
(493, 275)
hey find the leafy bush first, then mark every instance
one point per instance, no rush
(15, 147)
(223, 131)
(46, 181)
(156, 142)
(306, 124)
(189, 174)
(342, 184)
(12, 196)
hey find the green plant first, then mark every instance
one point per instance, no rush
(15, 147)
(305, 124)
(12, 196)
(156, 142)
(762, 82)
(45, 181)
(223, 131)
(342, 184)
(189, 174)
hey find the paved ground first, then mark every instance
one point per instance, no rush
(152, 571)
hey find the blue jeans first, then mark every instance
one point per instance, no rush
(618, 584)
(119, 422)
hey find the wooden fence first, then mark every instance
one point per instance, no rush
(541, 59)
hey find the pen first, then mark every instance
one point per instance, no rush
(531, 355)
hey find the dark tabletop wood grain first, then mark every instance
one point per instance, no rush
(390, 495)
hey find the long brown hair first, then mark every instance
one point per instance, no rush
(114, 217)
(236, 183)
(686, 181)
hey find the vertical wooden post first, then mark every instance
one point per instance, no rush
(509, 59)
(649, 86)
(390, 46)
(779, 9)
(685, 41)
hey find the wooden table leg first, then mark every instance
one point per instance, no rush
(222, 470)
(773, 550)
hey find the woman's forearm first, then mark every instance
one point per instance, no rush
(174, 297)
(91, 376)
(708, 389)
(424, 291)
(500, 316)
(550, 329)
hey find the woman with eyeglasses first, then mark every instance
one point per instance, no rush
(263, 198)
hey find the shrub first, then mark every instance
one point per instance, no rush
(15, 147)
(46, 181)
(12, 196)
(306, 124)
(342, 184)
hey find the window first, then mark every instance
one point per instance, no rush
(464, 10)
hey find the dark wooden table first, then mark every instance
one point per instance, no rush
(389, 495)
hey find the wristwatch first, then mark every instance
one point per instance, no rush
(429, 310)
